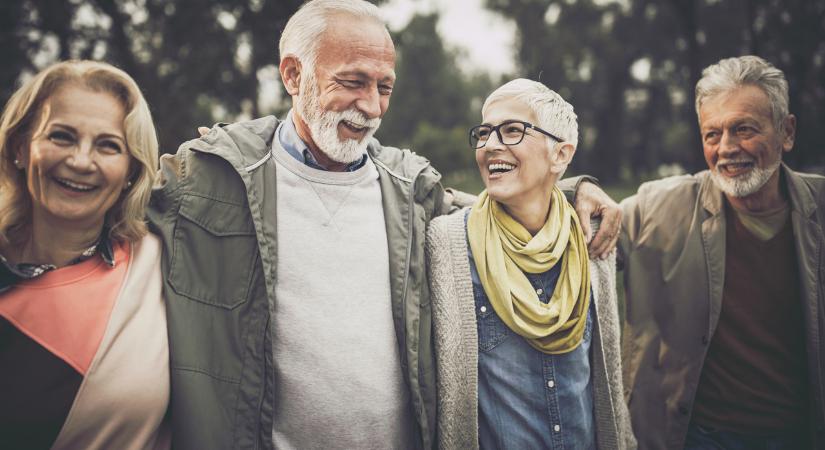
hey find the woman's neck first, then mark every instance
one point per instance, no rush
(57, 245)
(531, 215)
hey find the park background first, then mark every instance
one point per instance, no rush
(627, 66)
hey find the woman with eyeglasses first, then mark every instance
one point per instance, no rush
(526, 328)
(83, 346)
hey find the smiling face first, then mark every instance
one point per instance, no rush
(517, 175)
(742, 146)
(340, 105)
(77, 162)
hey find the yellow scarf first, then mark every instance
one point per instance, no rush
(504, 250)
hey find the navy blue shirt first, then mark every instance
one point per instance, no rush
(527, 398)
(292, 143)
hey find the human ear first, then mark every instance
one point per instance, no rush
(561, 156)
(788, 132)
(134, 173)
(21, 158)
(290, 69)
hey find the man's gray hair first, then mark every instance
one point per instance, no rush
(554, 114)
(304, 29)
(732, 73)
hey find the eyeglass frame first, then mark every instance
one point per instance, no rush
(495, 128)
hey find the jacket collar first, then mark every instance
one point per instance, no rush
(711, 196)
(801, 197)
(246, 145)
(242, 144)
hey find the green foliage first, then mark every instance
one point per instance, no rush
(200, 61)
(446, 148)
(586, 50)
(433, 103)
(195, 60)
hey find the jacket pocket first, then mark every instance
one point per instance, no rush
(214, 252)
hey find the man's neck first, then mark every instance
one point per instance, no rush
(321, 158)
(769, 198)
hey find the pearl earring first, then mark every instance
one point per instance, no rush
(17, 164)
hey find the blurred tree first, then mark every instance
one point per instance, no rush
(792, 35)
(629, 67)
(196, 61)
(14, 45)
(433, 102)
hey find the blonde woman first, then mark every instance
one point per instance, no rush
(83, 345)
(525, 325)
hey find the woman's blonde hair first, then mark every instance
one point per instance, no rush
(23, 114)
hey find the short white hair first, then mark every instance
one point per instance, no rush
(732, 73)
(303, 31)
(554, 114)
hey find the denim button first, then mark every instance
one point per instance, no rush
(556, 428)
(551, 383)
(491, 330)
(539, 291)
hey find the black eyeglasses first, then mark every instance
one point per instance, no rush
(510, 132)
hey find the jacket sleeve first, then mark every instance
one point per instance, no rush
(165, 192)
(569, 186)
(631, 224)
(162, 212)
(455, 200)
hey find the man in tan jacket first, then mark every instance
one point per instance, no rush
(724, 272)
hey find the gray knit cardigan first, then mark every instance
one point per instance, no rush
(456, 343)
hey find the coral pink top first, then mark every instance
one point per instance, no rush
(72, 341)
(66, 310)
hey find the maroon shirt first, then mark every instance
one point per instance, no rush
(754, 380)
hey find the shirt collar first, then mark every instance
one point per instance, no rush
(11, 274)
(295, 146)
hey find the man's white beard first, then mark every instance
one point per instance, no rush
(323, 125)
(747, 183)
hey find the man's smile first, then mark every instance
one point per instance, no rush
(734, 168)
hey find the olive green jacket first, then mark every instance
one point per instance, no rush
(219, 268)
(673, 250)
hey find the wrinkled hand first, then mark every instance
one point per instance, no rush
(592, 201)
(203, 130)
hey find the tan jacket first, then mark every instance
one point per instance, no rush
(673, 251)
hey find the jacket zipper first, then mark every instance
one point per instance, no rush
(263, 390)
(410, 226)
(411, 210)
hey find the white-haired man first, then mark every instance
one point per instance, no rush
(298, 306)
(526, 328)
(724, 277)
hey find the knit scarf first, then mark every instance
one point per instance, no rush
(504, 250)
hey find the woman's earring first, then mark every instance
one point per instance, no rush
(17, 164)
(128, 185)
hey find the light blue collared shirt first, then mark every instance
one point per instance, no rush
(297, 148)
